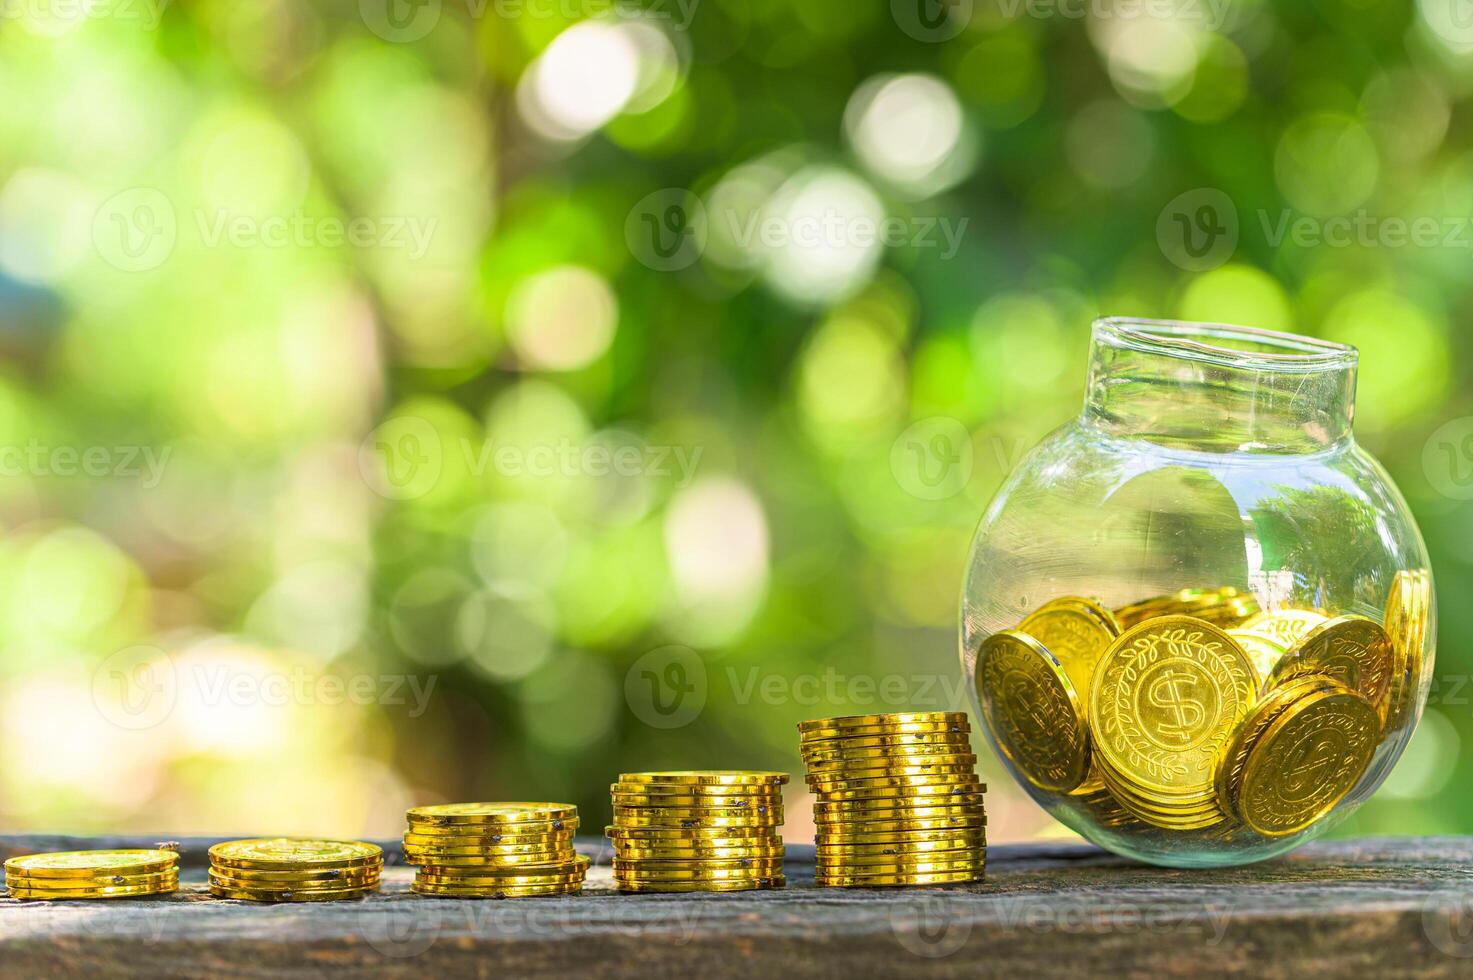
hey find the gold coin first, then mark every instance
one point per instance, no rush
(492, 813)
(765, 814)
(491, 862)
(952, 741)
(517, 833)
(938, 793)
(713, 803)
(706, 777)
(1076, 632)
(915, 765)
(832, 736)
(162, 886)
(528, 891)
(960, 803)
(844, 880)
(1352, 649)
(577, 863)
(845, 837)
(852, 722)
(1285, 627)
(275, 879)
(287, 896)
(631, 852)
(435, 855)
(941, 755)
(235, 883)
(290, 854)
(1169, 695)
(1264, 653)
(905, 826)
(92, 864)
(687, 822)
(641, 872)
(744, 790)
(754, 884)
(1229, 775)
(1408, 616)
(1032, 711)
(514, 842)
(445, 880)
(875, 863)
(959, 842)
(753, 832)
(899, 776)
(1307, 761)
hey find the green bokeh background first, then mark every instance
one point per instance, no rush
(389, 461)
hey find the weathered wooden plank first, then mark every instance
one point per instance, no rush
(1392, 906)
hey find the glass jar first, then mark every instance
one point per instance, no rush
(1198, 618)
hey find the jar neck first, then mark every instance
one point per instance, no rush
(1217, 388)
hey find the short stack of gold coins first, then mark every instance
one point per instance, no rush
(68, 875)
(698, 831)
(288, 869)
(898, 799)
(1199, 712)
(494, 850)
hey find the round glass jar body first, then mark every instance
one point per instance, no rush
(1197, 620)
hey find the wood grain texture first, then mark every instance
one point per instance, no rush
(1382, 907)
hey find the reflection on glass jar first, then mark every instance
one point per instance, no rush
(1198, 618)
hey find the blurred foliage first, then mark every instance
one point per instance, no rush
(379, 289)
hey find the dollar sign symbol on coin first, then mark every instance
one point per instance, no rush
(1186, 712)
(1303, 771)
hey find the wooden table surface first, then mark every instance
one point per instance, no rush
(1374, 907)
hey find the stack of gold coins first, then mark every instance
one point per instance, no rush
(286, 869)
(92, 874)
(494, 850)
(898, 803)
(698, 830)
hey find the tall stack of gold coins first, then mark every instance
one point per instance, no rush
(284, 869)
(690, 831)
(1197, 711)
(494, 850)
(899, 802)
(66, 875)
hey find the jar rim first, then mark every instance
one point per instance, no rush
(1213, 343)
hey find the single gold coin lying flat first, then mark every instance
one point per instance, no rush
(932, 792)
(724, 803)
(632, 853)
(92, 864)
(706, 777)
(943, 741)
(534, 858)
(163, 885)
(817, 737)
(1307, 760)
(852, 722)
(1076, 631)
(755, 884)
(753, 832)
(234, 882)
(523, 832)
(895, 879)
(1032, 710)
(768, 815)
(290, 896)
(272, 879)
(1352, 649)
(841, 838)
(492, 813)
(514, 842)
(497, 892)
(289, 854)
(1168, 696)
(969, 842)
